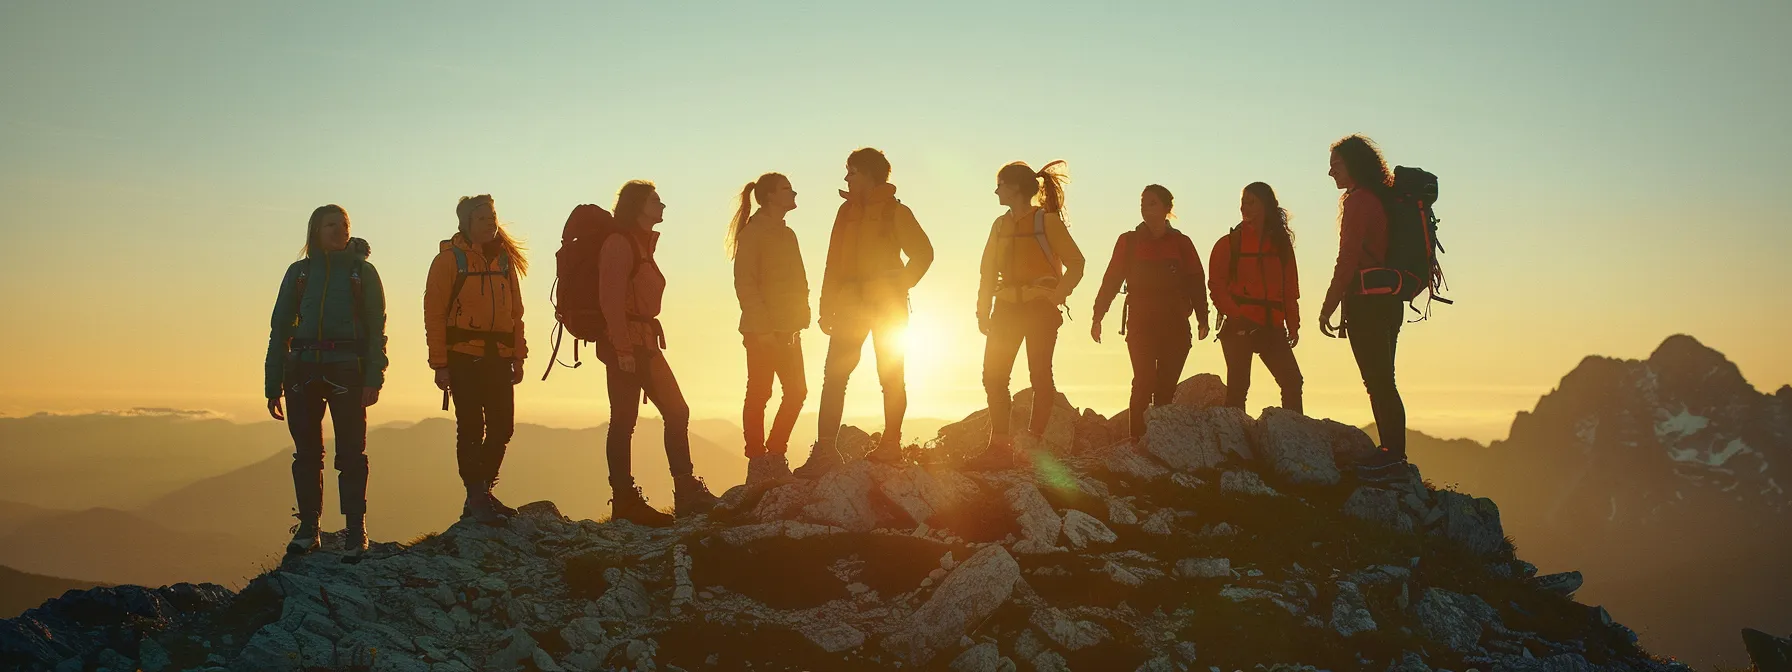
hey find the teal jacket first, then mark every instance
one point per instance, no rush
(327, 312)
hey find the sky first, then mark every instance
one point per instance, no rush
(1612, 174)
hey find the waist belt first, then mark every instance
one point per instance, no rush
(653, 326)
(324, 344)
(459, 335)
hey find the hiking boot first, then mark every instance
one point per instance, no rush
(690, 497)
(304, 536)
(1383, 466)
(628, 504)
(497, 505)
(997, 456)
(767, 467)
(354, 537)
(822, 459)
(479, 508)
(888, 451)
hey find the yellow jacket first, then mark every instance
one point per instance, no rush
(490, 302)
(1016, 270)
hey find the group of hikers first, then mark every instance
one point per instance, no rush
(326, 347)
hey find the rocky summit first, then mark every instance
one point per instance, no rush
(1218, 542)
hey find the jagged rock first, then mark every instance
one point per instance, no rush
(1120, 512)
(1447, 617)
(1160, 523)
(1246, 483)
(969, 594)
(1060, 428)
(1203, 390)
(1564, 662)
(1473, 521)
(1379, 506)
(1126, 460)
(916, 493)
(1204, 568)
(1158, 664)
(1409, 662)
(1350, 612)
(1050, 661)
(1565, 583)
(739, 536)
(1244, 594)
(836, 637)
(1082, 529)
(983, 657)
(1296, 447)
(1769, 653)
(1069, 633)
(1039, 524)
(842, 498)
(1350, 445)
(852, 442)
(783, 502)
(1182, 437)
(1094, 432)
(1378, 575)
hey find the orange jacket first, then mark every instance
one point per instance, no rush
(865, 274)
(486, 303)
(632, 290)
(1272, 278)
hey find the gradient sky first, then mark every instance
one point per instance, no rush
(1609, 172)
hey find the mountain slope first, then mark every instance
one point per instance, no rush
(122, 460)
(115, 546)
(20, 591)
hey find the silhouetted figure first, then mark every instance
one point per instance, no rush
(864, 293)
(473, 322)
(773, 290)
(1164, 282)
(327, 349)
(630, 293)
(1371, 321)
(1256, 290)
(1030, 266)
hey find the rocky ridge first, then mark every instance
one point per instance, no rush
(1220, 541)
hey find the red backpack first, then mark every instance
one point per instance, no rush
(575, 268)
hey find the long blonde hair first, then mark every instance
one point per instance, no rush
(312, 244)
(754, 191)
(512, 249)
(1048, 182)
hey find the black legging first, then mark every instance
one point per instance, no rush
(1034, 323)
(654, 376)
(484, 414)
(1374, 336)
(1239, 340)
(1158, 352)
(310, 389)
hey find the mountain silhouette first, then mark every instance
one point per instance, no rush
(21, 590)
(119, 547)
(122, 460)
(1662, 479)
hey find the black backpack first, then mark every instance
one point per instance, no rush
(1412, 267)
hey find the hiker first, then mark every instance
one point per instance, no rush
(1256, 291)
(773, 290)
(630, 291)
(327, 349)
(1370, 322)
(1164, 286)
(1030, 266)
(473, 324)
(864, 293)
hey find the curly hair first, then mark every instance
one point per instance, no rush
(1362, 159)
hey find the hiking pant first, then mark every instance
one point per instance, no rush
(845, 347)
(484, 416)
(653, 376)
(783, 361)
(1269, 343)
(1036, 324)
(310, 389)
(1374, 332)
(1158, 353)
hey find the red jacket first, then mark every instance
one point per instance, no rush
(1135, 254)
(1363, 234)
(1266, 280)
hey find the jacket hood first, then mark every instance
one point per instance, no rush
(882, 192)
(356, 246)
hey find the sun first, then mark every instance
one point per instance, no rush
(923, 341)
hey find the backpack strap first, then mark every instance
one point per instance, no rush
(1045, 245)
(359, 303)
(298, 289)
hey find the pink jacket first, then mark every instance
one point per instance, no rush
(631, 300)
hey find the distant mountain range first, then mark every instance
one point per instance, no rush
(20, 590)
(122, 460)
(1664, 479)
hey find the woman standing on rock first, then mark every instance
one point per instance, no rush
(1371, 321)
(773, 290)
(1164, 283)
(327, 349)
(1030, 266)
(473, 323)
(1257, 292)
(630, 291)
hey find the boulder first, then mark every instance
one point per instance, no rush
(1297, 448)
(1350, 445)
(968, 595)
(1182, 438)
(1069, 633)
(1094, 432)
(1126, 460)
(983, 657)
(1473, 521)
(1769, 653)
(1039, 524)
(1202, 390)
(1246, 483)
(1082, 530)
(1350, 612)
(1060, 429)
(1565, 583)
(783, 502)
(853, 443)
(1448, 618)
(1204, 568)
(842, 498)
